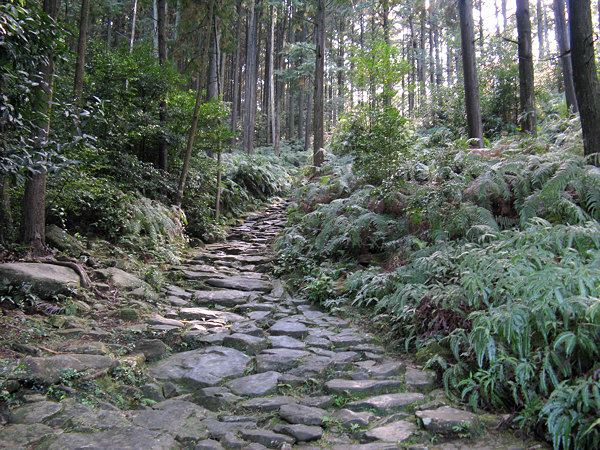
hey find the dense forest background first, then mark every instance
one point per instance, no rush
(447, 153)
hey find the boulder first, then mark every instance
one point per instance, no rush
(45, 279)
(63, 241)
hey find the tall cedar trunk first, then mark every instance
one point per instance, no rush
(155, 27)
(272, 81)
(133, 20)
(504, 17)
(411, 57)
(307, 124)
(6, 219)
(340, 64)
(250, 95)
(540, 29)
(585, 75)
(318, 156)
(212, 90)
(528, 120)
(474, 125)
(81, 48)
(163, 148)
(422, 56)
(34, 199)
(236, 74)
(385, 24)
(266, 85)
(564, 49)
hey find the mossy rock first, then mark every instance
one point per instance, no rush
(424, 354)
(128, 314)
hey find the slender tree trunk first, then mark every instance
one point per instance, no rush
(133, 20)
(213, 61)
(504, 15)
(34, 199)
(163, 149)
(526, 82)
(81, 48)
(236, 75)
(249, 98)
(318, 156)
(540, 29)
(473, 108)
(272, 81)
(307, 124)
(564, 50)
(189, 147)
(155, 9)
(585, 75)
(6, 219)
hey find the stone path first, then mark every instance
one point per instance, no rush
(264, 370)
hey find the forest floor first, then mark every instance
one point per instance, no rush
(224, 357)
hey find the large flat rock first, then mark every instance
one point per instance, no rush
(122, 438)
(197, 369)
(45, 279)
(224, 297)
(124, 280)
(48, 370)
(255, 385)
(363, 386)
(447, 420)
(387, 403)
(399, 431)
(241, 283)
(279, 359)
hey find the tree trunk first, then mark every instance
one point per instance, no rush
(81, 48)
(189, 147)
(587, 87)
(474, 125)
(155, 9)
(540, 29)
(133, 20)
(236, 75)
(272, 81)
(307, 123)
(528, 120)
(6, 220)
(504, 16)
(34, 199)
(318, 156)
(213, 61)
(564, 50)
(163, 149)
(250, 97)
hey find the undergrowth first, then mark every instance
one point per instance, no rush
(490, 259)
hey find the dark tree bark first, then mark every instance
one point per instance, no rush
(34, 199)
(6, 219)
(587, 87)
(318, 156)
(528, 119)
(163, 148)
(236, 74)
(81, 48)
(250, 96)
(540, 29)
(213, 61)
(474, 125)
(564, 49)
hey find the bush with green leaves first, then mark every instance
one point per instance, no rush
(487, 261)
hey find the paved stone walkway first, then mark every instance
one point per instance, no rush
(265, 370)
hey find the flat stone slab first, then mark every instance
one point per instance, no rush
(131, 437)
(349, 418)
(255, 385)
(267, 404)
(399, 431)
(447, 420)
(224, 297)
(202, 368)
(387, 403)
(240, 283)
(279, 359)
(34, 412)
(217, 429)
(302, 433)
(268, 438)
(245, 342)
(163, 321)
(24, 435)
(300, 414)
(289, 327)
(420, 380)
(286, 342)
(124, 280)
(340, 386)
(46, 279)
(48, 370)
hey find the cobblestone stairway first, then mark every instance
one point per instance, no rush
(265, 370)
